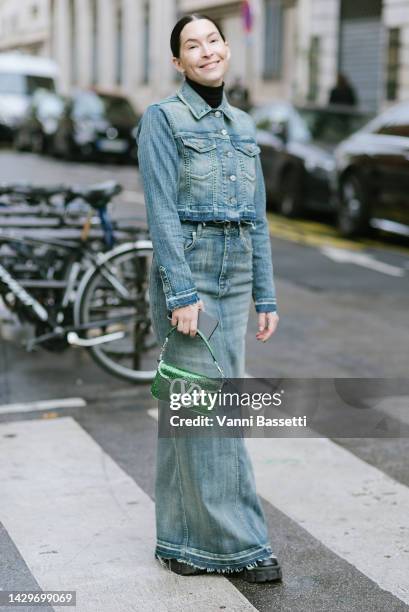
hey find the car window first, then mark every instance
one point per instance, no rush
(114, 108)
(331, 126)
(398, 129)
(266, 117)
(282, 120)
(11, 83)
(118, 109)
(36, 82)
(88, 105)
(389, 121)
(22, 84)
(396, 123)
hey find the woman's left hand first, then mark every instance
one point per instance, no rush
(267, 324)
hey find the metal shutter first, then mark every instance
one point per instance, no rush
(361, 59)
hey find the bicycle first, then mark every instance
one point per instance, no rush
(74, 295)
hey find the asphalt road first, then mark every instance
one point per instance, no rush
(78, 482)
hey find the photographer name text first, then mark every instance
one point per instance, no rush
(223, 421)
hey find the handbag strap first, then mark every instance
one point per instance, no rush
(205, 340)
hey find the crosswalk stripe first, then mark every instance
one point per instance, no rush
(395, 407)
(66, 402)
(353, 508)
(81, 523)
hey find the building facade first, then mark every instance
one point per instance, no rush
(124, 44)
(367, 41)
(24, 25)
(294, 51)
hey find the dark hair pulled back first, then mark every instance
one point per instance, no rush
(175, 35)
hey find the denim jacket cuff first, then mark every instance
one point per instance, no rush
(183, 298)
(266, 305)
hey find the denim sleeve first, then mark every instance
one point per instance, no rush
(264, 293)
(159, 167)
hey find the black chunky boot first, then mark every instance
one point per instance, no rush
(267, 570)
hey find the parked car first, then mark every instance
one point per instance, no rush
(37, 129)
(96, 124)
(20, 76)
(373, 175)
(297, 153)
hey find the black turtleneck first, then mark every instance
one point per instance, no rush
(212, 95)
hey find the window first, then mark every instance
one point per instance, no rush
(393, 64)
(34, 11)
(313, 68)
(273, 39)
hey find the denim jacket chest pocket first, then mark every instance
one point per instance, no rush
(246, 153)
(205, 173)
(199, 173)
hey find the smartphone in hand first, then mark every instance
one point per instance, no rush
(205, 322)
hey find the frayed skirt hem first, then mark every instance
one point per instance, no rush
(227, 567)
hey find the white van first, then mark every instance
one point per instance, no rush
(20, 76)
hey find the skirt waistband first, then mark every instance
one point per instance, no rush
(222, 224)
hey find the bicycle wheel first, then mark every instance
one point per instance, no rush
(116, 293)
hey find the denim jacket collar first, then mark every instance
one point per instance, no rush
(198, 106)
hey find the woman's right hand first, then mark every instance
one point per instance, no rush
(186, 318)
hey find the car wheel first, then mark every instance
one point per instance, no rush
(353, 210)
(290, 203)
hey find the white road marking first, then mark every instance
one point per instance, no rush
(81, 523)
(67, 402)
(154, 413)
(395, 407)
(361, 259)
(353, 508)
(5, 314)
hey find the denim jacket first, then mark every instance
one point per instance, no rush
(200, 163)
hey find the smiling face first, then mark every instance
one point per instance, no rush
(204, 55)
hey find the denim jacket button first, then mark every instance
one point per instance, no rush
(224, 132)
(233, 177)
(229, 154)
(233, 200)
(217, 114)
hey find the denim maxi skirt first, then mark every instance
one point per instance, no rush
(207, 511)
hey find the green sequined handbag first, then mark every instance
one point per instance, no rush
(172, 379)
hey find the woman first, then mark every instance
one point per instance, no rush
(205, 199)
